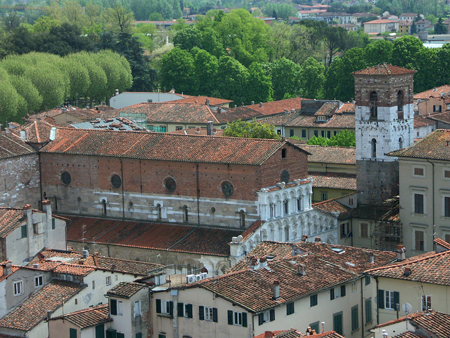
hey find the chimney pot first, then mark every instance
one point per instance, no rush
(7, 268)
(210, 128)
(304, 238)
(268, 334)
(317, 240)
(401, 252)
(276, 289)
(260, 104)
(407, 271)
(371, 257)
(253, 102)
(301, 270)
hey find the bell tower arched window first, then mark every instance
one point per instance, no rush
(374, 147)
(373, 104)
(400, 143)
(400, 100)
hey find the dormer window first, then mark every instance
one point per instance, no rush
(321, 118)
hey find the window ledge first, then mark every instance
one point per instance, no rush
(166, 315)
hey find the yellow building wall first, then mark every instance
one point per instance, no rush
(331, 193)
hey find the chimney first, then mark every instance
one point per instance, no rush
(219, 110)
(209, 128)
(407, 271)
(268, 334)
(117, 92)
(304, 238)
(317, 240)
(260, 104)
(23, 135)
(276, 289)
(253, 102)
(207, 102)
(371, 257)
(47, 208)
(301, 270)
(85, 254)
(262, 262)
(49, 315)
(401, 252)
(7, 268)
(254, 264)
(323, 327)
(52, 133)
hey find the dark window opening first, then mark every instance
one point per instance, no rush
(285, 176)
(116, 181)
(374, 148)
(400, 100)
(418, 203)
(171, 185)
(373, 104)
(283, 153)
(104, 211)
(66, 178)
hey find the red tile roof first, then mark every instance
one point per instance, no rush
(434, 146)
(10, 220)
(177, 238)
(292, 333)
(34, 309)
(81, 113)
(429, 268)
(213, 101)
(333, 205)
(407, 334)
(380, 21)
(126, 289)
(91, 316)
(384, 68)
(37, 131)
(325, 268)
(348, 107)
(13, 146)
(435, 92)
(442, 243)
(436, 324)
(339, 121)
(422, 121)
(332, 155)
(327, 109)
(197, 131)
(441, 117)
(163, 146)
(333, 180)
(14, 268)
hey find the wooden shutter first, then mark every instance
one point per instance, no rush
(201, 312)
(343, 291)
(230, 317)
(100, 331)
(368, 310)
(189, 310)
(120, 335)
(139, 335)
(337, 323)
(24, 231)
(396, 299)
(355, 318)
(380, 299)
(180, 309)
(214, 314)
(158, 306)
(113, 304)
(331, 294)
(171, 308)
(73, 333)
(53, 224)
(261, 319)
(272, 315)
(244, 319)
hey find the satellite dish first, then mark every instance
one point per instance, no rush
(407, 308)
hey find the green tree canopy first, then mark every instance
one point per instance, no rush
(343, 139)
(177, 71)
(251, 129)
(312, 79)
(285, 78)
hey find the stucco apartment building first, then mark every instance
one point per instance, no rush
(380, 26)
(425, 191)
(303, 284)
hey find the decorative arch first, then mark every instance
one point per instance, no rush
(373, 105)
(400, 100)
(373, 144)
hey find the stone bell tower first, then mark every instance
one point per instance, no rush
(384, 123)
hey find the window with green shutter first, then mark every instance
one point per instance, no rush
(367, 280)
(24, 230)
(100, 331)
(73, 333)
(120, 335)
(111, 333)
(315, 326)
(355, 321)
(343, 291)
(313, 300)
(368, 305)
(139, 335)
(290, 309)
(53, 224)
(337, 323)
(113, 306)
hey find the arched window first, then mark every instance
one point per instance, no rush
(286, 207)
(299, 204)
(373, 104)
(104, 208)
(271, 210)
(286, 234)
(185, 213)
(242, 218)
(400, 100)
(400, 143)
(374, 148)
(158, 209)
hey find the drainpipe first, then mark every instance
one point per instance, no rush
(378, 301)
(432, 191)
(362, 309)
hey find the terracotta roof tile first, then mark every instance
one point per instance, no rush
(434, 146)
(12, 146)
(126, 289)
(348, 107)
(81, 113)
(422, 121)
(435, 92)
(14, 268)
(431, 268)
(10, 220)
(37, 131)
(292, 333)
(327, 109)
(73, 269)
(197, 131)
(329, 334)
(163, 146)
(441, 117)
(213, 101)
(180, 238)
(332, 205)
(341, 121)
(442, 243)
(334, 155)
(91, 316)
(407, 334)
(34, 309)
(333, 180)
(325, 268)
(384, 68)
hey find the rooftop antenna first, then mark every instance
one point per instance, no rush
(407, 309)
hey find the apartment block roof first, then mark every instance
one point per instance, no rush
(14, 268)
(434, 146)
(47, 257)
(441, 242)
(384, 68)
(326, 266)
(435, 92)
(327, 109)
(433, 322)
(291, 333)
(333, 206)
(163, 146)
(157, 236)
(126, 289)
(13, 146)
(407, 334)
(213, 101)
(441, 117)
(428, 268)
(85, 114)
(34, 309)
(36, 131)
(338, 121)
(91, 316)
(331, 155)
(423, 121)
(333, 180)
(380, 21)
(348, 107)
(10, 220)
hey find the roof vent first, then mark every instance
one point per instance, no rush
(36, 266)
(85, 253)
(253, 102)
(407, 271)
(301, 270)
(276, 289)
(371, 257)
(260, 104)
(304, 238)
(317, 240)
(263, 262)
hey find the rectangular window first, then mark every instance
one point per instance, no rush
(18, 288)
(418, 240)
(324, 195)
(354, 287)
(364, 230)
(418, 171)
(447, 238)
(237, 318)
(299, 204)
(367, 279)
(337, 323)
(36, 229)
(323, 133)
(447, 206)
(368, 305)
(313, 300)
(73, 333)
(113, 306)
(137, 308)
(266, 316)
(436, 109)
(38, 281)
(108, 280)
(53, 224)
(93, 285)
(283, 154)
(291, 132)
(418, 203)
(426, 302)
(316, 133)
(179, 128)
(23, 228)
(337, 292)
(164, 307)
(290, 309)
(328, 134)
(209, 313)
(119, 308)
(391, 299)
(315, 326)
(447, 173)
(304, 134)
(355, 321)
(345, 230)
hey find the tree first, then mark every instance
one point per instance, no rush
(405, 51)
(30, 94)
(118, 18)
(312, 79)
(206, 67)
(259, 85)
(442, 70)
(252, 129)
(285, 78)
(44, 24)
(440, 27)
(9, 100)
(188, 38)
(335, 39)
(155, 17)
(233, 79)
(177, 71)
(343, 139)
(378, 52)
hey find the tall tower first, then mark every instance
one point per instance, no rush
(384, 122)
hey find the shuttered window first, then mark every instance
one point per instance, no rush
(73, 333)
(368, 305)
(355, 321)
